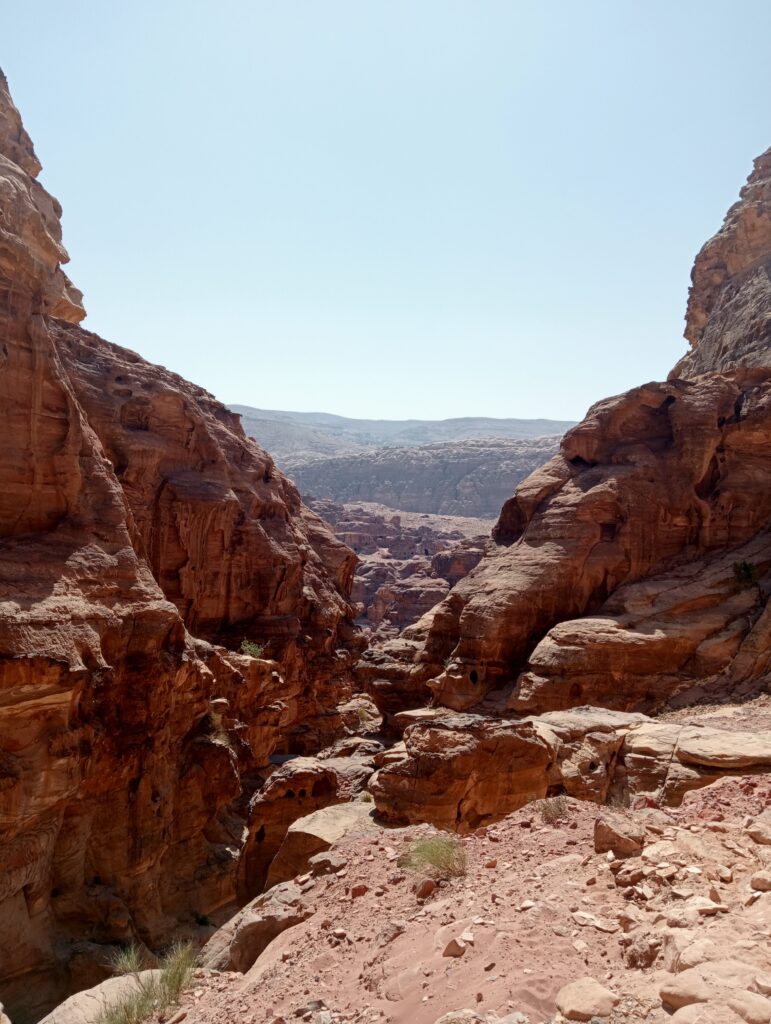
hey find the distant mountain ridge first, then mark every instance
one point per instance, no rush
(297, 438)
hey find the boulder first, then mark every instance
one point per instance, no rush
(316, 832)
(584, 999)
(91, 1005)
(619, 833)
(237, 945)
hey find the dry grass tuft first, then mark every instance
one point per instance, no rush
(153, 994)
(439, 857)
(553, 809)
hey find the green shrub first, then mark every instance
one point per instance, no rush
(252, 649)
(439, 857)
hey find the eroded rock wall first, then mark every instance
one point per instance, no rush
(134, 513)
(635, 564)
(727, 321)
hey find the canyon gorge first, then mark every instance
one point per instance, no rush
(233, 705)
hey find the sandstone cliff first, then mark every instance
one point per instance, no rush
(636, 564)
(407, 561)
(728, 321)
(460, 478)
(134, 514)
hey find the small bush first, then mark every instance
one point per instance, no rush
(553, 808)
(252, 649)
(746, 574)
(366, 797)
(440, 857)
(128, 960)
(176, 971)
(155, 994)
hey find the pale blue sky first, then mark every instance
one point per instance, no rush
(392, 209)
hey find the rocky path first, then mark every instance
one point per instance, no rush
(676, 921)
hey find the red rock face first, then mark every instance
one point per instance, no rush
(727, 322)
(666, 482)
(134, 513)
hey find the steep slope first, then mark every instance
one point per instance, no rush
(133, 509)
(653, 520)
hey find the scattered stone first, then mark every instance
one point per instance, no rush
(455, 947)
(761, 881)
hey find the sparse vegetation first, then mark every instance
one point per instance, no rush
(157, 992)
(553, 808)
(746, 575)
(366, 797)
(254, 650)
(127, 960)
(363, 717)
(203, 919)
(439, 857)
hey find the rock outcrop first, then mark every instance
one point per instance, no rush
(653, 485)
(135, 515)
(635, 565)
(728, 322)
(461, 771)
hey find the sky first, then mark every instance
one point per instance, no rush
(393, 208)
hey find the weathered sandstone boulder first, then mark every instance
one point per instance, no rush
(93, 1004)
(584, 999)
(317, 832)
(293, 790)
(237, 945)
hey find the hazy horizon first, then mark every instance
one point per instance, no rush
(394, 210)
